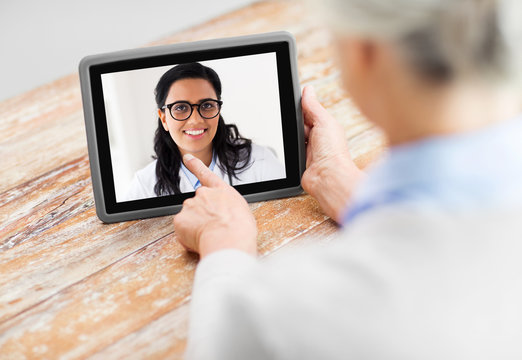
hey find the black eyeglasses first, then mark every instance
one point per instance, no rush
(182, 110)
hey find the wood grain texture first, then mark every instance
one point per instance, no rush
(73, 287)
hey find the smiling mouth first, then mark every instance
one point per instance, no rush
(194, 132)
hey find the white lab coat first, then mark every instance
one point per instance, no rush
(401, 282)
(265, 166)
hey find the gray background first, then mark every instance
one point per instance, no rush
(43, 40)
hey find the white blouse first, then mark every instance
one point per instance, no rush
(402, 282)
(264, 167)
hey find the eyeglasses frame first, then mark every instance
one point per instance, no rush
(169, 106)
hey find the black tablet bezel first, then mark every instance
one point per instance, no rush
(292, 129)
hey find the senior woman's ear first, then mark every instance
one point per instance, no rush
(363, 61)
(374, 76)
(161, 115)
(360, 63)
(355, 60)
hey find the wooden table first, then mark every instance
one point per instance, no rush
(73, 287)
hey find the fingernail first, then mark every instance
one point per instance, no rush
(311, 89)
(188, 157)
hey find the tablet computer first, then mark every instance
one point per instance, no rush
(234, 103)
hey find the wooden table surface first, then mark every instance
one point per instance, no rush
(73, 287)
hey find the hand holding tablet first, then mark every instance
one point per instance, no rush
(232, 103)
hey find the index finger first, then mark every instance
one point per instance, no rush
(204, 174)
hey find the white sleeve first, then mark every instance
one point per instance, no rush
(272, 167)
(400, 283)
(245, 309)
(136, 190)
(218, 328)
(242, 308)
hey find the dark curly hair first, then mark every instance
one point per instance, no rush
(232, 150)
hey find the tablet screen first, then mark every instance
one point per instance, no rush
(233, 103)
(225, 111)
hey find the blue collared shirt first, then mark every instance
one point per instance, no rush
(192, 178)
(479, 169)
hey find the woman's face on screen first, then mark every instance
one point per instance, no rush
(195, 134)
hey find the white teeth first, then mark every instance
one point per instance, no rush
(194, 132)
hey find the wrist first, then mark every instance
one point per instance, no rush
(216, 240)
(335, 184)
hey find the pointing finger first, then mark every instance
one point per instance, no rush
(204, 174)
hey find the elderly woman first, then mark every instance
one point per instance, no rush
(428, 264)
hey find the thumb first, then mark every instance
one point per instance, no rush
(313, 111)
(204, 174)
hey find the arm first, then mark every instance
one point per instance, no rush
(220, 326)
(217, 223)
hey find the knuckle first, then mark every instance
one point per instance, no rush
(202, 192)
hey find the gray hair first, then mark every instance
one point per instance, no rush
(442, 39)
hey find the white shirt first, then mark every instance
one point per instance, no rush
(428, 266)
(399, 283)
(264, 167)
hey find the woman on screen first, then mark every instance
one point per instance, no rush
(189, 103)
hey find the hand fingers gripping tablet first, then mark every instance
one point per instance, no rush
(216, 218)
(322, 131)
(330, 174)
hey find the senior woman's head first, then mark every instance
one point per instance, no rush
(399, 55)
